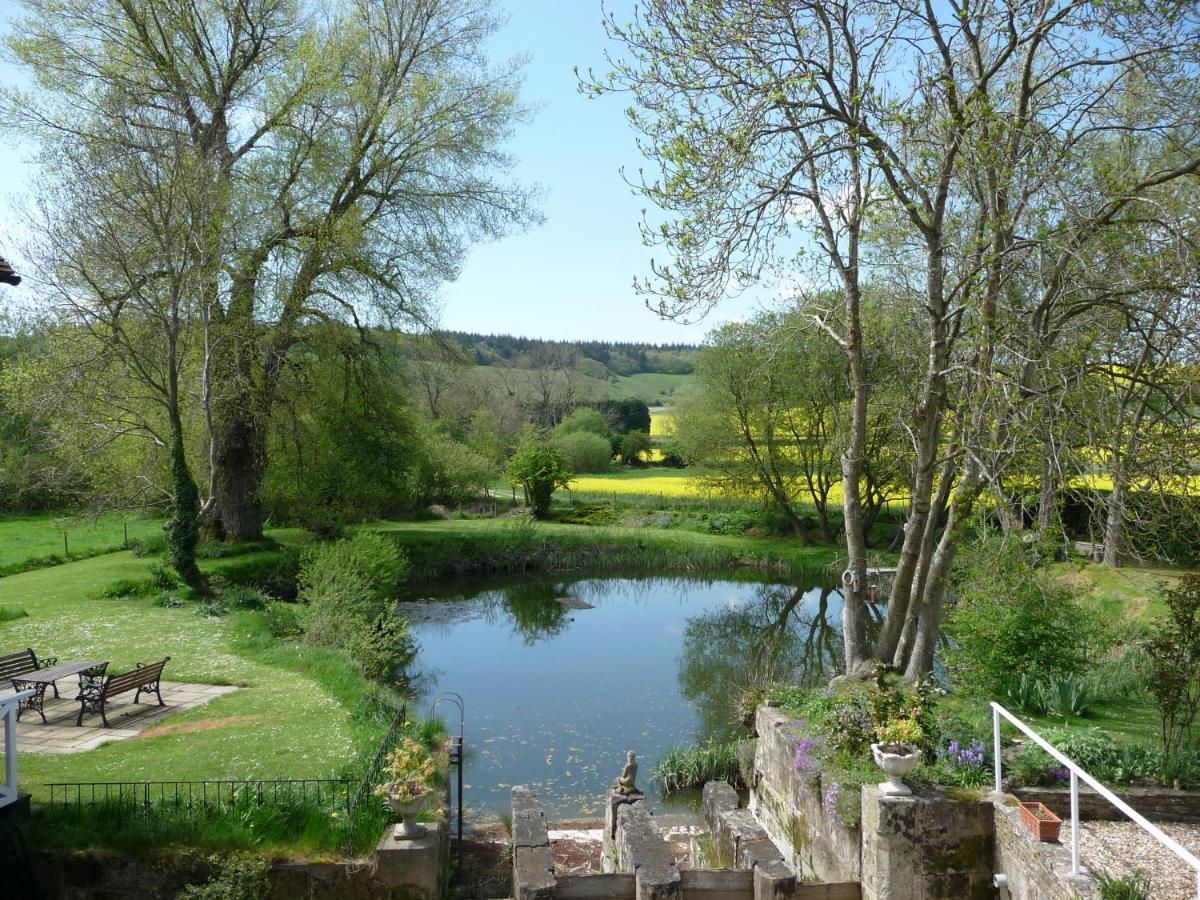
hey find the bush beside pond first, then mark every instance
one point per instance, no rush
(347, 595)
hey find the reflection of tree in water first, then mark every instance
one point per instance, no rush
(531, 606)
(776, 636)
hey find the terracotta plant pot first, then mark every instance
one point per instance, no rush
(1044, 824)
(895, 765)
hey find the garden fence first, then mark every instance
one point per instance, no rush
(201, 796)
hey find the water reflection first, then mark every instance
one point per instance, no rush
(556, 695)
(779, 634)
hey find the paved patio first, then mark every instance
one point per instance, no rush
(129, 719)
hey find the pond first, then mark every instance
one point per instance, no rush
(555, 695)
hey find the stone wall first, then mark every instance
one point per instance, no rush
(815, 842)
(925, 847)
(409, 872)
(533, 861)
(1034, 870)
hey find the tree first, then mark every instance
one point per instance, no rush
(350, 158)
(771, 412)
(1174, 651)
(779, 137)
(634, 446)
(120, 271)
(541, 469)
(626, 415)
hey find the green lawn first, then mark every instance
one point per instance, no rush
(24, 539)
(292, 719)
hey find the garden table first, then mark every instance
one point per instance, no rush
(37, 680)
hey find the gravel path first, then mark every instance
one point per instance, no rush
(1119, 848)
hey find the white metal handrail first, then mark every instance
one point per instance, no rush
(1077, 772)
(8, 713)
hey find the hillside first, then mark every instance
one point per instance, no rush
(622, 359)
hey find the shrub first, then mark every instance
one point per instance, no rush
(347, 589)
(212, 609)
(1012, 618)
(1126, 887)
(672, 455)
(1174, 652)
(1065, 695)
(276, 575)
(451, 473)
(244, 596)
(8, 613)
(583, 421)
(237, 877)
(281, 621)
(584, 451)
(540, 469)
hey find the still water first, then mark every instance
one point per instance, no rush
(555, 695)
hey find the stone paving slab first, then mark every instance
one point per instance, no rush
(60, 734)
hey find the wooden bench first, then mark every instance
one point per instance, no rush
(96, 691)
(14, 665)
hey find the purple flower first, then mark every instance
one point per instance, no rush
(958, 757)
(831, 798)
(1061, 774)
(802, 748)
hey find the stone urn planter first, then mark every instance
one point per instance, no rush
(408, 808)
(896, 760)
(1038, 818)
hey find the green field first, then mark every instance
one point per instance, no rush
(25, 540)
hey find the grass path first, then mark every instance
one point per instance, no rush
(291, 720)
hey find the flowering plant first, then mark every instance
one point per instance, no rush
(411, 769)
(900, 731)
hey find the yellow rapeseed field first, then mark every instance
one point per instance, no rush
(662, 424)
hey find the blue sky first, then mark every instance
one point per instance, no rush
(571, 277)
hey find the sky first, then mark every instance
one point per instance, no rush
(570, 278)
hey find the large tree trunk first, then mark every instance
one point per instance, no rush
(854, 630)
(912, 615)
(239, 465)
(929, 628)
(183, 526)
(1047, 497)
(927, 433)
(1114, 525)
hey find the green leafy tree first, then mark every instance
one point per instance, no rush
(1174, 651)
(347, 162)
(634, 447)
(626, 415)
(541, 469)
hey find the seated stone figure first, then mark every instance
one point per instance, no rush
(627, 783)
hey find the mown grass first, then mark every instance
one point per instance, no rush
(299, 713)
(35, 541)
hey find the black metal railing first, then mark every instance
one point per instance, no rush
(202, 797)
(150, 796)
(370, 774)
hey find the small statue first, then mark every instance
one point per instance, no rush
(627, 783)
